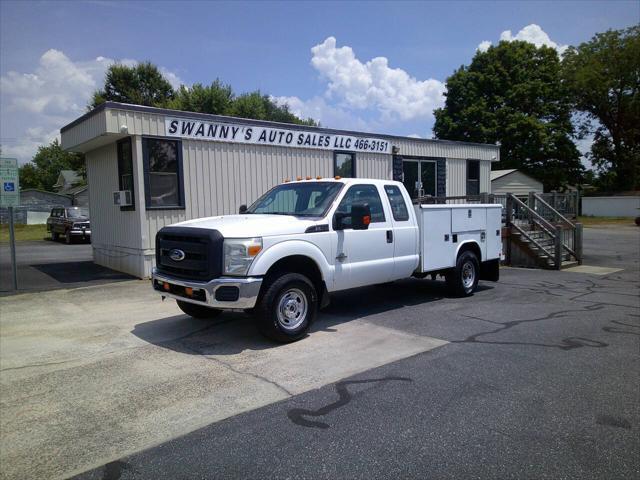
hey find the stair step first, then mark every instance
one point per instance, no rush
(568, 264)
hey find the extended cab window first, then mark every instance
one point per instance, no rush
(398, 205)
(311, 199)
(361, 194)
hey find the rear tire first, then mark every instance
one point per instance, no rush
(287, 308)
(462, 280)
(198, 311)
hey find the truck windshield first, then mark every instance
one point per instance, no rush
(77, 212)
(300, 199)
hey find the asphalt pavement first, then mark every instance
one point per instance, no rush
(47, 265)
(536, 376)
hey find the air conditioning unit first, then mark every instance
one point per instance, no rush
(122, 198)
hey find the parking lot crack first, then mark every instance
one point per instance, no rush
(240, 372)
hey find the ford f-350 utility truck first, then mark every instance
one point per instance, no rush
(282, 257)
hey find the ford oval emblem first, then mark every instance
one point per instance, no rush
(176, 255)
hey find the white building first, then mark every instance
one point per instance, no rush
(514, 181)
(182, 165)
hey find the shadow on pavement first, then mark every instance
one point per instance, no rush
(78, 272)
(234, 332)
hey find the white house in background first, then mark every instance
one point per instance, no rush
(514, 181)
(66, 180)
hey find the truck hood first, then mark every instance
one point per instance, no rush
(253, 225)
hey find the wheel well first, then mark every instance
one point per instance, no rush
(471, 247)
(298, 264)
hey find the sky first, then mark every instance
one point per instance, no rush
(371, 66)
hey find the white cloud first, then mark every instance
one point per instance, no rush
(531, 33)
(34, 105)
(484, 46)
(373, 84)
(330, 116)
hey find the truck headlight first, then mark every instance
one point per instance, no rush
(239, 254)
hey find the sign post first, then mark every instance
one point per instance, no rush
(10, 197)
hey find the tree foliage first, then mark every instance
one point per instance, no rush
(144, 84)
(513, 95)
(603, 76)
(141, 84)
(43, 171)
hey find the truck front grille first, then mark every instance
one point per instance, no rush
(202, 249)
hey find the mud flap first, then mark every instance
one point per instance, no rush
(490, 270)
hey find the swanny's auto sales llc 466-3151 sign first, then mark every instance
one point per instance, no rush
(282, 137)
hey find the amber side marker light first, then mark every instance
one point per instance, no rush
(253, 250)
(286, 180)
(318, 177)
(298, 178)
(188, 291)
(337, 177)
(166, 286)
(366, 219)
(308, 177)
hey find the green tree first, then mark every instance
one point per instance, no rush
(216, 98)
(512, 94)
(141, 84)
(43, 171)
(603, 76)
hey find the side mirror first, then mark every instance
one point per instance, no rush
(242, 209)
(360, 216)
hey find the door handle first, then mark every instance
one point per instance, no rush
(341, 257)
(389, 236)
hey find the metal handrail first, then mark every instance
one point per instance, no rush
(533, 212)
(526, 235)
(560, 216)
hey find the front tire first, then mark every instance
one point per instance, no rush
(462, 280)
(198, 311)
(54, 236)
(287, 308)
(67, 238)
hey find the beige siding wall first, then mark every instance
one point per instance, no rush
(373, 165)
(516, 183)
(485, 177)
(115, 235)
(457, 177)
(446, 149)
(85, 131)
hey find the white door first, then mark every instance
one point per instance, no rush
(363, 257)
(405, 233)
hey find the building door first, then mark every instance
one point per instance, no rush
(419, 177)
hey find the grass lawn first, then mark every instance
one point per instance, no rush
(23, 232)
(595, 221)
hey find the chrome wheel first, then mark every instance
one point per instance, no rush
(292, 309)
(468, 275)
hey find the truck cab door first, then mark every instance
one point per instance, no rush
(362, 257)
(405, 232)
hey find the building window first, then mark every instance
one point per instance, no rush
(163, 173)
(344, 164)
(473, 177)
(125, 170)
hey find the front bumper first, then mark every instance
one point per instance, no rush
(77, 231)
(205, 292)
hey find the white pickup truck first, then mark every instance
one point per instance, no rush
(282, 257)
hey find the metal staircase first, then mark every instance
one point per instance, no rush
(540, 236)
